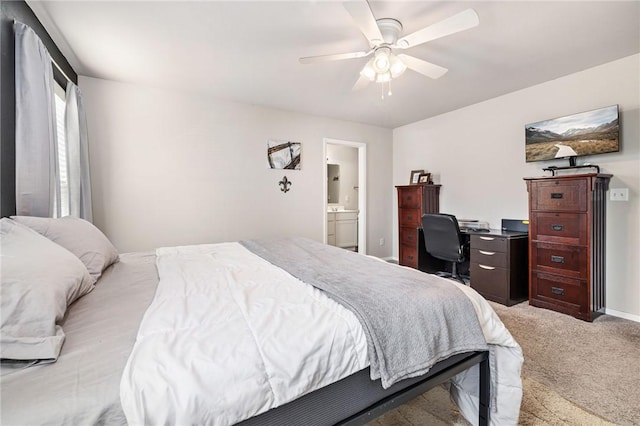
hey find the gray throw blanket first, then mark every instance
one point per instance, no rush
(412, 320)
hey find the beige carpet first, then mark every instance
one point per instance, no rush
(575, 373)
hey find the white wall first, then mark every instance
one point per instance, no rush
(477, 154)
(347, 158)
(172, 168)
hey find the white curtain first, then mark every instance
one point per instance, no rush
(36, 140)
(77, 155)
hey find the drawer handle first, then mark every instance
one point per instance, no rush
(410, 237)
(557, 227)
(488, 253)
(557, 290)
(487, 238)
(409, 197)
(410, 257)
(490, 268)
(557, 195)
(409, 217)
(557, 259)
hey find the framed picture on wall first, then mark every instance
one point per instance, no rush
(415, 176)
(284, 154)
(425, 178)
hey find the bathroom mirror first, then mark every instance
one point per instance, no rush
(333, 183)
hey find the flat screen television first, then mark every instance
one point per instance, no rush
(586, 133)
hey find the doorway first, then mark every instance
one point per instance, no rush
(345, 179)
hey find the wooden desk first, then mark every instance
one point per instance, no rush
(497, 264)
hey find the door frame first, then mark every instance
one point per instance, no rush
(362, 189)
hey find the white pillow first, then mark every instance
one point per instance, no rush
(78, 236)
(39, 280)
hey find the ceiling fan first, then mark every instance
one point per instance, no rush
(384, 40)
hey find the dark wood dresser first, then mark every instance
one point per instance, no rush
(413, 202)
(498, 266)
(567, 224)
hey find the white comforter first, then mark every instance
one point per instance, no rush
(229, 336)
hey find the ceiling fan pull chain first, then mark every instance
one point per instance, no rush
(390, 89)
(382, 91)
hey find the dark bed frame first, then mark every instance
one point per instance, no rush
(429, 382)
(352, 401)
(357, 400)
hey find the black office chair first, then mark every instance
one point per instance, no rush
(443, 241)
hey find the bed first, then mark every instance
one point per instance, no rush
(129, 355)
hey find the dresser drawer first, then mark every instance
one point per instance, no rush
(569, 228)
(409, 256)
(556, 289)
(410, 218)
(489, 258)
(410, 198)
(556, 195)
(491, 282)
(409, 236)
(560, 259)
(489, 243)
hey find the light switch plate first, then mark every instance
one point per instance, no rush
(619, 194)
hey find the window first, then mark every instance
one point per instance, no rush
(62, 150)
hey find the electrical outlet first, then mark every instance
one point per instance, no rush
(381, 241)
(619, 194)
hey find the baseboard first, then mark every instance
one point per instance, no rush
(624, 315)
(390, 259)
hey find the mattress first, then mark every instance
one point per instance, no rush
(83, 386)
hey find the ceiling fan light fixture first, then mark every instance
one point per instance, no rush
(381, 60)
(397, 67)
(394, 67)
(383, 77)
(368, 71)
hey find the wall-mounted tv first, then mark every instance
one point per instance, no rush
(586, 133)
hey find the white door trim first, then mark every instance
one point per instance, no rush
(362, 189)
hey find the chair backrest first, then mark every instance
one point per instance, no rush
(442, 237)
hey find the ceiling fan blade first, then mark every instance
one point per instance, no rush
(423, 67)
(335, 57)
(362, 15)
(456, 23)
(360, 84)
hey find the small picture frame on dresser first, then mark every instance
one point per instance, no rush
(425, 178)
(415, 176)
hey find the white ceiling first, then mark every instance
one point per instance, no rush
(248, 51)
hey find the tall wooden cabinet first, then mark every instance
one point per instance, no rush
(567, 238)
(413, 202)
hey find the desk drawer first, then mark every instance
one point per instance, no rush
(556, 195)
(490, 243)
(409, 218)
(410, 198)
(491, 282)
(569, 228)
(553, 288)
(489, 258)
(409, 236)
(563, 259)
